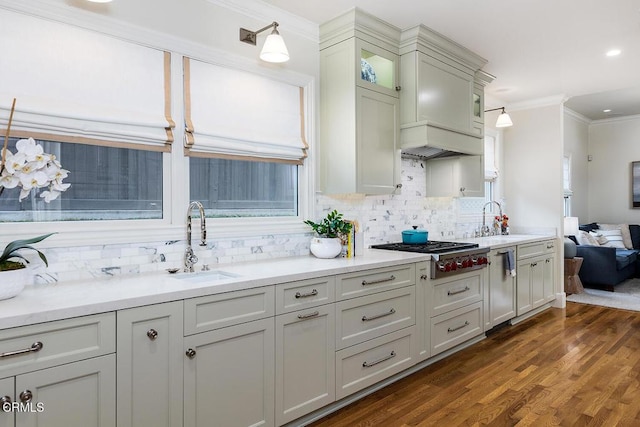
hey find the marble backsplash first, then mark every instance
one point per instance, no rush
(381, 219)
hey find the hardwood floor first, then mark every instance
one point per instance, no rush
(574, 367)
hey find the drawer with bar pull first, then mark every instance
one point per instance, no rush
(43, 345)
(456, 327)
(456, 291)
(353, 285)
(292, 296)
(365, 364)
(371, 316)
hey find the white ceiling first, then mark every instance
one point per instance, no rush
(536, 49)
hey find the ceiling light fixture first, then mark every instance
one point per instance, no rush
(614, 52)
(606, 111)
(274, 49)
(504, 121)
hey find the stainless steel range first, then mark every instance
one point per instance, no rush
(447, 258)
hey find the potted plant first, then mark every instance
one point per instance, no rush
(331, 231)
(14, 274)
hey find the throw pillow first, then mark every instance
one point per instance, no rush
(585, 238)
(624, 229)
(611, 239)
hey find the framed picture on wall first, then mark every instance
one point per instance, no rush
(635, 184)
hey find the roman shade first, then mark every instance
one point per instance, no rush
(490, 169)
(76, 85)
(236, 114)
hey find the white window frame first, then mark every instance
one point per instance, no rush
(175, 180)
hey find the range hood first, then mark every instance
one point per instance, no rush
(421, 140)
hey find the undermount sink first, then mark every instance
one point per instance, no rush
(205, 276)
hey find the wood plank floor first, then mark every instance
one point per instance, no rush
(578, 366)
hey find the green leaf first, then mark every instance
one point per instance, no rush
(11, 250)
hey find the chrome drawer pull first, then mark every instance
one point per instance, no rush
(366, 364)
(374, 282)
(466, 323)
(466, 288)
(313, 293)
(35, 347)
(377, 316)
(152, 334)
(307, 316)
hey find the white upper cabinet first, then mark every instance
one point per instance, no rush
(359, 105)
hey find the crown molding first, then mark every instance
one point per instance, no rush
(581, 118)
(263, 11)
(616, 119)
(538, 103)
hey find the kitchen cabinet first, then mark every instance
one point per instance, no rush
(305, 362)
(359, 105)
(423, 311)
(456, 176)
(229, 376)
(442, 103)
(500, 303)
(149, 364)
(535, 275)
(63, 372)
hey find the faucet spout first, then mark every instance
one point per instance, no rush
(189, 257)
(485, 229)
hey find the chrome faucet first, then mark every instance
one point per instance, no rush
(190, 259)
(485, 231)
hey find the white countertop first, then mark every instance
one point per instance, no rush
(43, 303)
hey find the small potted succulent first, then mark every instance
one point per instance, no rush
(331, 231)
(13, 272)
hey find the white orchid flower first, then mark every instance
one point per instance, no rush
(59, 186)
(15, 162)
(48, 196)
(8, 180)
(36, 179)
(29, 148)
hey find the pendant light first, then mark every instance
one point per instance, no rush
(504, 121)
(274, 49)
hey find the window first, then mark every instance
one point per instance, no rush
(106, 184)
(239, 188)
(566, 179)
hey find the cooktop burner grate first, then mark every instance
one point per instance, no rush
(430, 247)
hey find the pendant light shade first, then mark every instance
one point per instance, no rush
(274, 49)
(504, 121)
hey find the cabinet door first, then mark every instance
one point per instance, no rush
(471, 170)
(424, 294)
(549, 279)
(76, 394)
(460, 176)
(305, 362)
(229, 376)
(377, 142)
(537, 283)
(523, 299)
(7, 396)
(377, 68)
(149, 363)
(502, 289)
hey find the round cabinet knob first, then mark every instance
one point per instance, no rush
(423, 277)
(191, 353)
(26, 396)
(152, 334)
(5, 401)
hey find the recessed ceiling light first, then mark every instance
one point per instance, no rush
(614, 52)
(606, 111)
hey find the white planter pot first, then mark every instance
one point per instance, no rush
(323, 247)
(13, 282)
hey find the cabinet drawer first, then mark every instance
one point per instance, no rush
(231, 308)
(61, 341)
(368, 317)
(371, 281)
(456, 327)
(531, 250)
(304, 294)
(365, 364)
(549, 246)
(456, 292)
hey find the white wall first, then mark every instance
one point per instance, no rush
(532, 174)
(576, 146)
(613, 145)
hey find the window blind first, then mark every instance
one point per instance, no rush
(235, 114)
(76, 85)
(490, 169)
